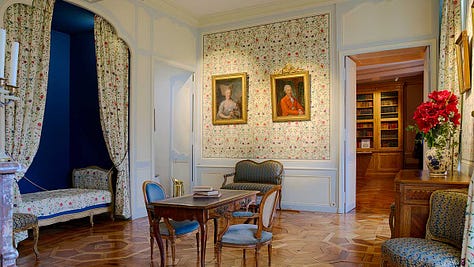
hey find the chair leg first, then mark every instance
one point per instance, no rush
(197, 242)
(243, 254)
(257, 252)
(35, 236)
(152, 243)
(215, 230)
(91, 219)
(173, 250)
(219, 254)
(269, 254)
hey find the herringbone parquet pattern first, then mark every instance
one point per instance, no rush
(300, 239)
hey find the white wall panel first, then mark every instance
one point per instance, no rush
(174, 41)
(314, 192)
(387, 20)
(144, 30)
(122, 11)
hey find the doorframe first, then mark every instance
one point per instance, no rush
(433, 52)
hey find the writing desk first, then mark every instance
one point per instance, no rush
(200, 209)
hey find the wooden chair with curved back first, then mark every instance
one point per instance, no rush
(169, 229)
(251, 235)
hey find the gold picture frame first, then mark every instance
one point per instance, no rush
(463, 62)
(286, 86)
(229, 98)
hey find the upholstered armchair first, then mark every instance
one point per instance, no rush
(251, 175)
(444, 234)
(251, 235)
(169, 229)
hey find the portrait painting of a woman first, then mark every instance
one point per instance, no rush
(229, 98)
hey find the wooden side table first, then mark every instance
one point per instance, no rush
(413, 189)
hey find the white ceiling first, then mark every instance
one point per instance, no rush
(203, 13)
(202, 8)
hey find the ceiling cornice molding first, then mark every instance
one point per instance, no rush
(167, 7)
(262, 10)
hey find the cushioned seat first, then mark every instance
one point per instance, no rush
(170, 230)
(180, 227)
(421, 252)
(26, 221)
(250, 235)
(444, 234)
(244, 234)
(263, 188)
(258, 176)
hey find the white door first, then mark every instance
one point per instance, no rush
(181, 155)
(350, 136)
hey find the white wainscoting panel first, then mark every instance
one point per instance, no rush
(303, 189)
(316, 192)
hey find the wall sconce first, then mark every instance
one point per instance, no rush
(8, 89)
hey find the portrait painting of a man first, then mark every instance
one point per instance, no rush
(290, 97)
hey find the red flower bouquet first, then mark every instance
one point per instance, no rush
(438, 119)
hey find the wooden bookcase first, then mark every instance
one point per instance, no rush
(379, 130)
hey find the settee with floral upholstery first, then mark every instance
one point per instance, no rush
(91, 194)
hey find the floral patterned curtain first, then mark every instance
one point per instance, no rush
(31, 27)
(112, 73)
(449, 31)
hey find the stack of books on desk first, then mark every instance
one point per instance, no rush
(205, 191)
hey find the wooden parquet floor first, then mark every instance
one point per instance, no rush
(300, 239)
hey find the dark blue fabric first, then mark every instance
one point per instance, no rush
(73, 211)
(180, 227)
(244, 234)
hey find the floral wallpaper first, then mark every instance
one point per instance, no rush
(467, 142)
(261, 51)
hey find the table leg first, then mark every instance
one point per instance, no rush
(203, 226)
(159, 240)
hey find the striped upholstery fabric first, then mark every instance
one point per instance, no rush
(263, 188)
(444, 233)
(266, 172)
(257, 176)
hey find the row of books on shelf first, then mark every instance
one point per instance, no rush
(362, 97)
(205, 191)
(389, 125)
(364, 111)
(389, 102)
(388, 109)
(389, 94)
(365, 104)
(365, 117)
(362, 125)
(365, 133)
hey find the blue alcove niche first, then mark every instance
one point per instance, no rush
(71, 136)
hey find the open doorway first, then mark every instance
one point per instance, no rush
(389, 86)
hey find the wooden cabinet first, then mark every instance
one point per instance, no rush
(379, 130)
(413, 189)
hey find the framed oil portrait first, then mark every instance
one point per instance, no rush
(463, 65)
(291, 96)
(229, 98)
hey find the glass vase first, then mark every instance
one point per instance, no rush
(437, 160)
